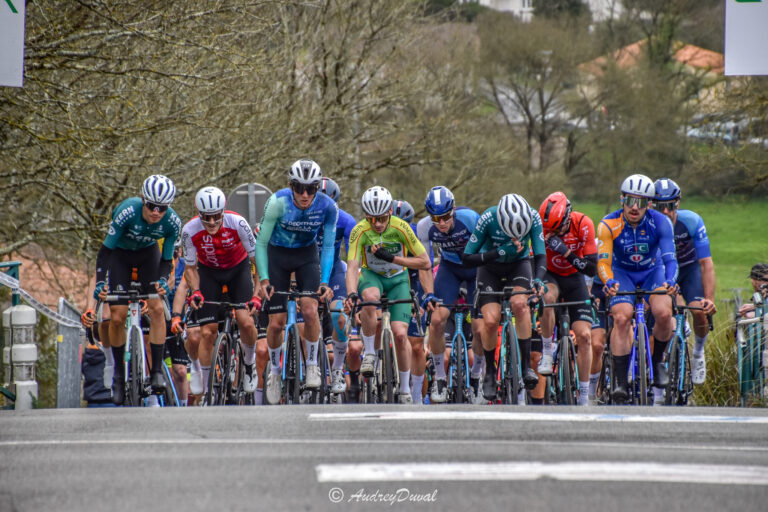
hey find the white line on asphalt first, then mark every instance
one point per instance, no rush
(530, 416)
(581, 471)
(324, 442)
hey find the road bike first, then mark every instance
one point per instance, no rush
(680, 385)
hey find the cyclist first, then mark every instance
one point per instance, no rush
(449, 228)
(571, 254)
(697, 282)
(630, 240)
(501, 244)
(219, 250)
(381, 247)
(333, 326)
(131, 242)
(293, 219)
(403, 210)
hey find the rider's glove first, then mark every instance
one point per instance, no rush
(195, 297)
(384, 254)
(97, 290)
(556, 244)
(539, 285)
(255, 303)
(163, 283)
(353, 297)
(177, 325)
(430, 297)
(87, 318)
(611, 283)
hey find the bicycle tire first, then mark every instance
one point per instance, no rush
(169, 395)
(460, 370)
(388, 367)
(565, 371)
(673, 364)
(136, 373)
(320, 395)
(513, 379)
(293, 375)
(219, 374)
(642, 367)
(687, 380)
(243, 398)
(604, 382)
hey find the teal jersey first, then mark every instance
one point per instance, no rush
(128, 229)
(488, 235)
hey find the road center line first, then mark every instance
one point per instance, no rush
(575, 471)
(529, 416)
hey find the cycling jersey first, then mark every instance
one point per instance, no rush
(286, 225)
(636, 249)
(128, 229)
(488, 235)
(231, 244)
(691, 241)
(451, 244)
(399, 239)
(344, 227)
(580, 239)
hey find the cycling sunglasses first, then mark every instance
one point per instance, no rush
(444, 217)
(300, 188)
(381, 219)
(154, 206)
(665, 205)
(632, 201)
(211, 218)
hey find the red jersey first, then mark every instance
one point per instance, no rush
(232, 243)
(580, 239)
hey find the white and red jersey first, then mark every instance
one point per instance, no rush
(232, 243)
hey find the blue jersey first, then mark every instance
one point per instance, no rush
(287, 225)
(638, 248)
(451, 244)
(691, 242)
(343, 228)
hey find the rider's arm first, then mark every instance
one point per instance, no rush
(273, 210)
(180, 297)
(704, 255)
(354, 257)
(192, 277)
(329, 241)
(420, 258)
(604, 252)
(427, 280)
(708, 277)
(537, 244)
(472, 257)
(102, 262)
(352, 277)
(587, 264)
(667, 248)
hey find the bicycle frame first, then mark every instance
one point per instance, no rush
(680, 385)
(458, 335)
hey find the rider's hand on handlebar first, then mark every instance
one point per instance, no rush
(177, 326)
(254, 304)
(429, 302)
(610, 288)
(100, 291)
(671, 288)
(539, 287)
(324, 292)
(195, 300)
(88, 318)
(708, 306)
(350, 301)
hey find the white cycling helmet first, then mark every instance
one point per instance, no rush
(210, 200)
(158, 189)
(514, 216)
(306, 172)
(377, 201)
(639, 185)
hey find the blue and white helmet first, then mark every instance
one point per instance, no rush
(638, 185)
(403, 210)
(306, 172)
(210, 200)
(514, 216)
(158, 189)
(439, 200)
(330, 188)
(377, 201)
(666, 190)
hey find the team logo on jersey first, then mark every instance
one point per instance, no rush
(111, 230)
(636, 258)
(473, 238)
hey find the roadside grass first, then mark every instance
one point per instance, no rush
(738, 237)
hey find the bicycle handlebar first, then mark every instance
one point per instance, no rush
(676, 308)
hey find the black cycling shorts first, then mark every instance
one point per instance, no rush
(122, 261)
(493, 277)
(283, 261)
(572, 288)
(238, 280)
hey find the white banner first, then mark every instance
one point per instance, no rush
(12, 42)
(746, 37)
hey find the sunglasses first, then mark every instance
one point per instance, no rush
(154, 206)
(665, 205)
(380, 219)
(211, 218)
(300, 188)
(632, 201)
(444, 217)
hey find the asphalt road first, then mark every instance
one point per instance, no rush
(379, 457)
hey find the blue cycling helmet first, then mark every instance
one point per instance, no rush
(439, 200)
(666, 190)
(330, 188)
(403, 210)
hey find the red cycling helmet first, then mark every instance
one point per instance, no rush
(555, 211)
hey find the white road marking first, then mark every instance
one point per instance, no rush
(530, 416)
(581, 471)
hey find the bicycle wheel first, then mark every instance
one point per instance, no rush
(388, 367)
(218, 379)
(170, 398)
(460, 370)
(135, 369)
(604, 383)
(513, 379)
(565, 371)
(673, 391)
(241, 397)
(687, 380)
(320, 395)
(642, 367)
(292, 384)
